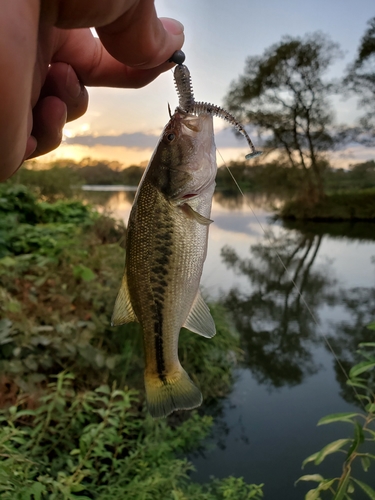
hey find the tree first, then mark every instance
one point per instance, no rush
(283, 94)
(360, 79)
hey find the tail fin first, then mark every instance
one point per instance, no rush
(175, 393)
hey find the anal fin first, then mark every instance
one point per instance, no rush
(199, 319)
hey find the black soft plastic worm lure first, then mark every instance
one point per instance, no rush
(188, 104)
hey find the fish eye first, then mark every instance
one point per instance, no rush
(171, 137)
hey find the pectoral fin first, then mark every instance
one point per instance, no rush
(199, 319)
(190, 212)
(123, 310)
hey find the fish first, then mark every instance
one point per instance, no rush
(166, 248)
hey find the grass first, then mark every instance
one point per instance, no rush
(100, 445)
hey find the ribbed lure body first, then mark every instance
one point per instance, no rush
(187, 103)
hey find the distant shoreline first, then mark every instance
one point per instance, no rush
(107, 187)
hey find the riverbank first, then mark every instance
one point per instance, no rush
(73, 417)
(346, 206)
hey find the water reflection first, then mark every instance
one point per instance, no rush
(109, 200)
(276, 327)
(278, 318)
(278, 330)
(262, 434)
(230, 201)
(359, 303)
(358, 230)
(234, 200)
(271, 432)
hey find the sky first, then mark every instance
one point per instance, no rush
(124, 124)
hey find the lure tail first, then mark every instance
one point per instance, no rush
(188, 104)
(177, 392)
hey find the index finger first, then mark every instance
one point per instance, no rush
(96, 67)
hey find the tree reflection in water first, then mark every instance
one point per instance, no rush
(234, 200)
(277, 328)
(348, 334)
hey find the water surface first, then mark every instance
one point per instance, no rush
(266, 426)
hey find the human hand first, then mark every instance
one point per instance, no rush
(48, 55)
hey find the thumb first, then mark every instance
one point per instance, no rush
(140, 39)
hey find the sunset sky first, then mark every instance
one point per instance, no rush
(124, 125)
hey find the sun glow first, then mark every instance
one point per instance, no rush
(125, 156)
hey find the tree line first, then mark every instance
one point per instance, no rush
(286, 95)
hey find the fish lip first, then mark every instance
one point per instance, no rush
(182, 118)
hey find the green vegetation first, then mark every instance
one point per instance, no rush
(97, 444)
(359, 448)
(349, 193)
(358, 177)
(359, 205)
(273, 177)
(73, 419)
(60, 180)
(65, 177)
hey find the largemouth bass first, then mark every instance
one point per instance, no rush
(166, 247)
(165, 251)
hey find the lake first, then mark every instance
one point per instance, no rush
(291, 289)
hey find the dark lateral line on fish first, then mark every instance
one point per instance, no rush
(158, 342)
(160, 269)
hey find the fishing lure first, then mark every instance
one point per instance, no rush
(187, 103)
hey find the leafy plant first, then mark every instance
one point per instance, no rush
(59, 180)
(101, 444)
(359, 448)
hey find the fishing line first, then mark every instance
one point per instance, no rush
(290, 277)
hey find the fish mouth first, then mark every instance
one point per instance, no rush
(188, 124)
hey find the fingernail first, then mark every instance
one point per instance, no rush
(72, 84)
(172, 26)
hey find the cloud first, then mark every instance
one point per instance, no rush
(137, 140)
(225, 138)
